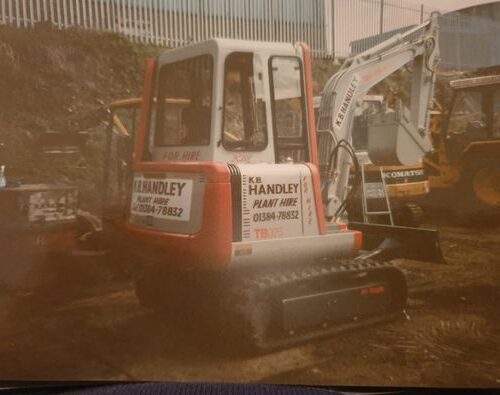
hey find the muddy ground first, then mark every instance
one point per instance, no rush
(89, 326)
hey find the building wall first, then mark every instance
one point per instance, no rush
(469, 38)
(490, 11)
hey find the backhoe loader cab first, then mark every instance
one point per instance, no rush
(474, 111)
(227, 200)
(466, 161)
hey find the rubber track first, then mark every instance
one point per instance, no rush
(260, 285)
(271, 280)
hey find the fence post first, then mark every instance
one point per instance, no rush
(328, 26)
(24, 15)
(421, 13)
(18, 17)
(65, 14)
(459, 42)
(333, 29)
(38, 11)
(108, 16)
(58, 10)
(32, 13)
(381, 17)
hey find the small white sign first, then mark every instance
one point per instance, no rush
(374, 190)
(162, 198)
(52, 206)
(273, 206)
(277, 202)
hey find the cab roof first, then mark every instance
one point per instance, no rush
(226, 45)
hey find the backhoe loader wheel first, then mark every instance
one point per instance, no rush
(481, 188)
(409, 214)
(486, 183)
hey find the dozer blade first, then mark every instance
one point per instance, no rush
(391, 242)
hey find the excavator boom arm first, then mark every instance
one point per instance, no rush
(344, 92)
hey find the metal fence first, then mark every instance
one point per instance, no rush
(469, 42)
(466, 42)
(328, 26)
(177, 22)
(331, 27)
(354, 20)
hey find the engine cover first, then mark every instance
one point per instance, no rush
(272, 202)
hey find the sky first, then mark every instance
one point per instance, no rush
(450, 5)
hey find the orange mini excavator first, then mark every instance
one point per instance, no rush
(235, 206)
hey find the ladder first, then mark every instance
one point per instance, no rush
(375, 192)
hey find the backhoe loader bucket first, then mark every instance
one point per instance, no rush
(391, 242)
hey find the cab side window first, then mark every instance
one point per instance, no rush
(290, 122)
(244, 122)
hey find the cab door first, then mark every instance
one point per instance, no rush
(288, 106)
(122, 125)
(246, 129)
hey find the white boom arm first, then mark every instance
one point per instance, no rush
(347, 88)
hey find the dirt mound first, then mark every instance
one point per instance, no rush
(53, 80)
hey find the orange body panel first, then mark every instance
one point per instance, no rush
(209, 249)
(312, 139)
(310, 103)
(358, 242)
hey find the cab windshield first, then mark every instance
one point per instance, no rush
(468, 114)
(184, 103)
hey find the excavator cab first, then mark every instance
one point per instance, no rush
(221, 101)
(225, 153)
